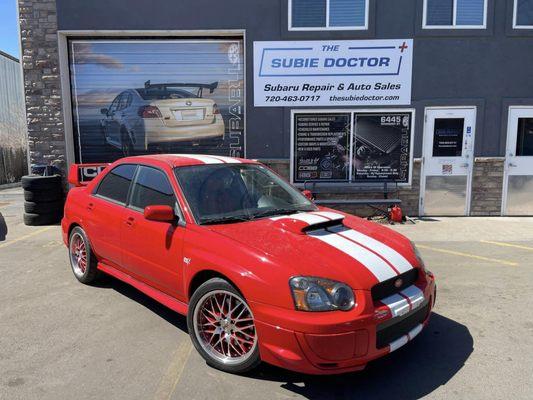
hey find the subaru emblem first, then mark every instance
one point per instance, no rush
(398, 282)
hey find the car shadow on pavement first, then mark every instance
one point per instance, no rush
(413, 371)
(3, 228)
(108, 282)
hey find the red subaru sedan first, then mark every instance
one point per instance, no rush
(261, 272)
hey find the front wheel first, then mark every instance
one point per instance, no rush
(222, 328)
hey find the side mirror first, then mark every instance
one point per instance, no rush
(159, 213)
(307, 193)
(104, 111)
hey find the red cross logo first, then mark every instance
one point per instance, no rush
(403, 47)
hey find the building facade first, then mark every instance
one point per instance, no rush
(430, 99)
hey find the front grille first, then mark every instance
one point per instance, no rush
(387, 288)
(395, 328)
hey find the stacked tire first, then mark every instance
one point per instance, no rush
(43, 199)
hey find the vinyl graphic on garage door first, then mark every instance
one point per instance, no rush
(133, 97)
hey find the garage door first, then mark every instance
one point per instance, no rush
(151, 96)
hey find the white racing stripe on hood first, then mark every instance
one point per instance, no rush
(405, 338)
(379, 268)
(308, 218)
(392, 256)
(329, 215)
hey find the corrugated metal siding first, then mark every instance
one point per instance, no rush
(12, 122)
(12, 108)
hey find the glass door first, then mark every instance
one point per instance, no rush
(447, 161)
(518, 171)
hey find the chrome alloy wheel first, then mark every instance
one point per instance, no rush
(224, 327)
(78, 254)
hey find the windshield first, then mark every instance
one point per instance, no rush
(223, 193)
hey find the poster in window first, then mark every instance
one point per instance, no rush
(448, 137)
(321, 147)
(136, 96)
(382, 143)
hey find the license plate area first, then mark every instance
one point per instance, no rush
(192, 114)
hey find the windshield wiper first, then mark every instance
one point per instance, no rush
(279, 211)
(225, 220)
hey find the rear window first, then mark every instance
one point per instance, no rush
(165, 94)
(116, 184)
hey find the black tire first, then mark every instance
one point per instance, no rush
(41, 219)
(44, 207)
(38, 182)
(213, 285)
(91, 273)
(39, 196)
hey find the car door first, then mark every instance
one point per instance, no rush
(152, 250)
(105, 210)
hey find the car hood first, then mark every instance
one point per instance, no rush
(327, 244)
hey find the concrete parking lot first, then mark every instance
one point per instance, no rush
(63, 340)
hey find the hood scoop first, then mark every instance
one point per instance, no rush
(301, 223)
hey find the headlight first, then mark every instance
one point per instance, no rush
(318, 294)
(418, 256)
(420, 260)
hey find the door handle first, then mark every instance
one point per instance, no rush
(465, 165)
(130, 221)
(512, 165)
(90, 206)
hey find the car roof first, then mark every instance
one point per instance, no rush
(181, 160)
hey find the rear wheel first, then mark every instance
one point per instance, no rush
(82, 259)
(222, 328)
(126, 144)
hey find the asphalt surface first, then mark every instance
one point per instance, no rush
(60, 339)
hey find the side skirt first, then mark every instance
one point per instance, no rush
(155, 294)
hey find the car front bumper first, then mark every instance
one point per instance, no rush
(337, 342)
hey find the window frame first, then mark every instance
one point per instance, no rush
(454, 25)
(515, 18)
(327, 27)
(177, 208)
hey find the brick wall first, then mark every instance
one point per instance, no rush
(42, 87)
(487, 186)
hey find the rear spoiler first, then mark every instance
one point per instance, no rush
(210, 86)
(82, 174)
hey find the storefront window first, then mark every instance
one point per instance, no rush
(454, 14)
(328, 14)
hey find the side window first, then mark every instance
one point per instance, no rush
(124, 101)
(455, 14)
(114, 104)
(328, 14)
(151, 188)
(116, 184)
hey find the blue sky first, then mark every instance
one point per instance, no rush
(9, 35)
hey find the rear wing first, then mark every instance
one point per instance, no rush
(82, 174)
(210, 86)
